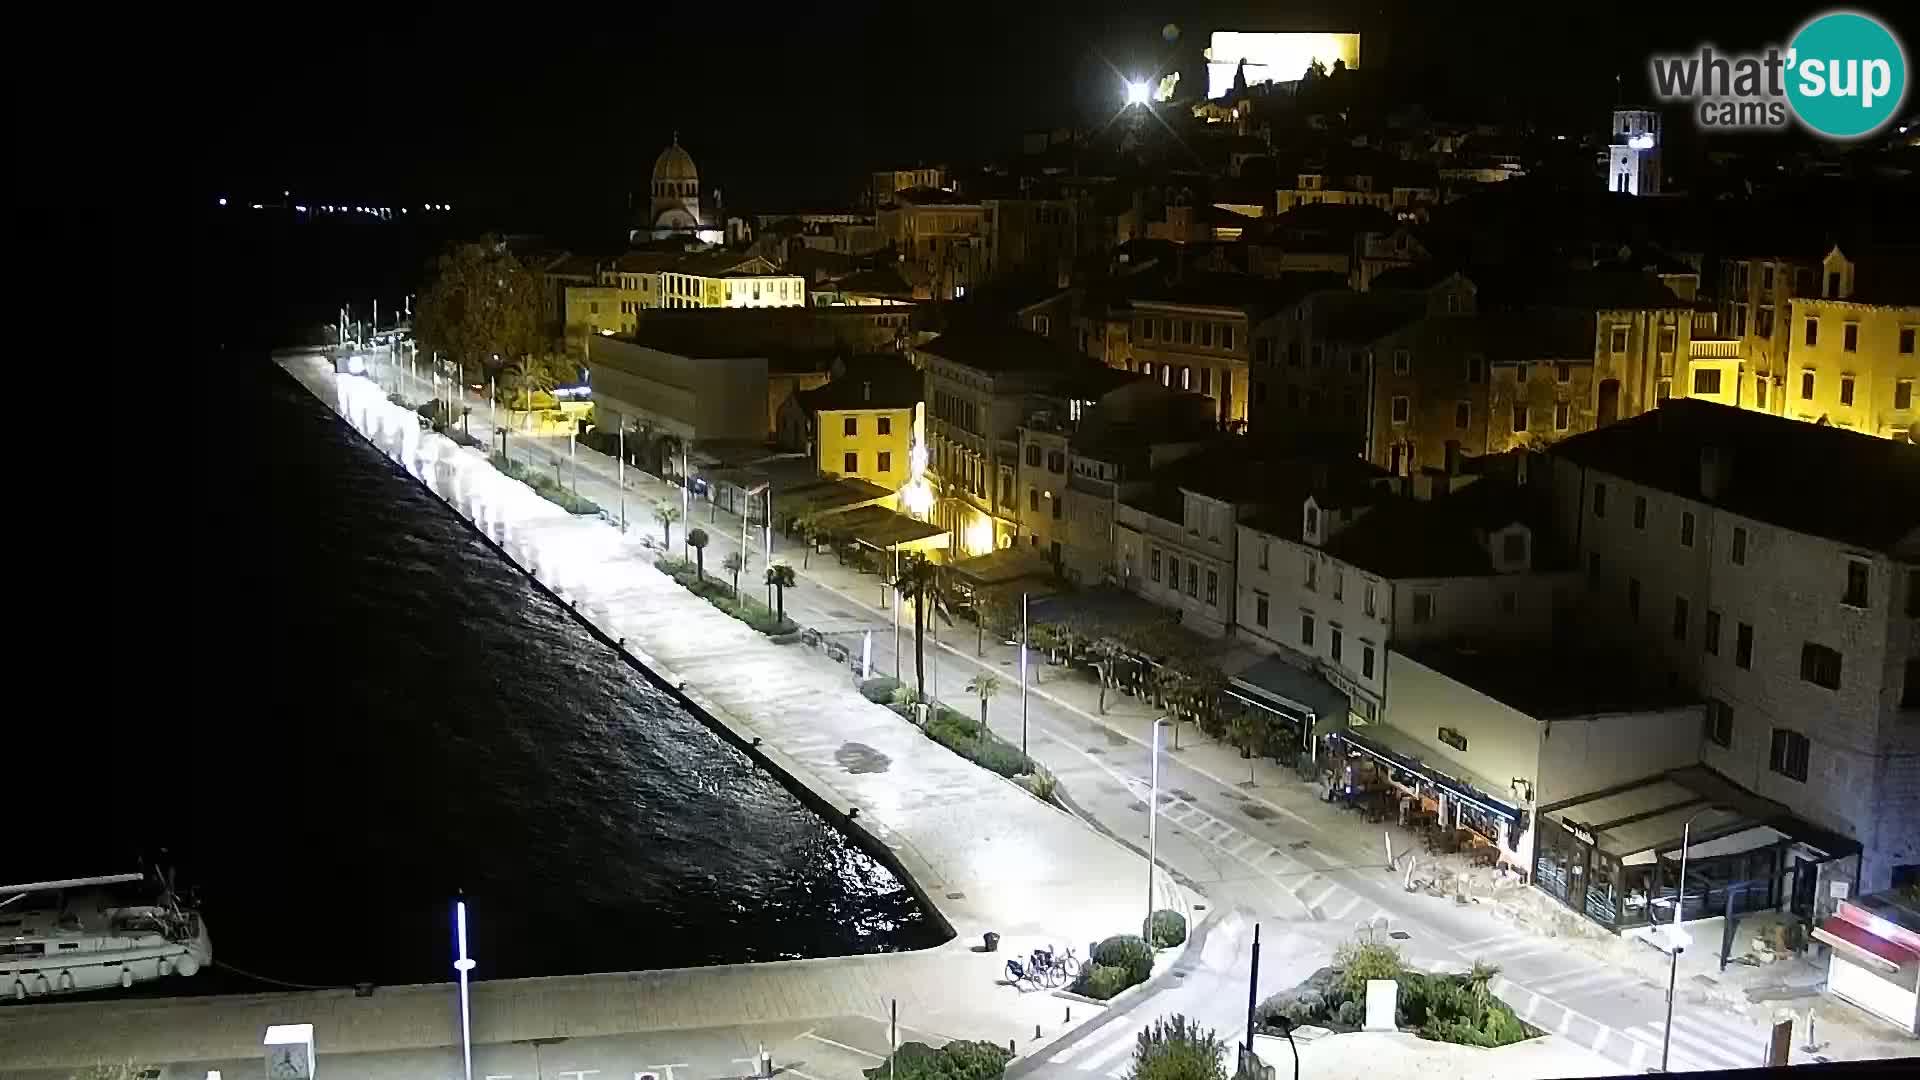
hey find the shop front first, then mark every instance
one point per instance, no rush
(1875, 963)
(1615, 855)
(1391, 774)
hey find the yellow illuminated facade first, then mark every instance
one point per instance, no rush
(1852, 362)
(869, 444)
(1274, 57)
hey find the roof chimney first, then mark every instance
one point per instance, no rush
(866, 391)
(1716, 472)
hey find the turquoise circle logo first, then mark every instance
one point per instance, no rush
(1847, 75)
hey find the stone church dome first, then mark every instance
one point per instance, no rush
(675, 164)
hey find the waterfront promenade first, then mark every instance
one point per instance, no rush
(982, 852)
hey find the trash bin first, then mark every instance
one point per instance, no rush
(992, 941)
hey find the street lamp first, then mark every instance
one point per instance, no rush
(1677, 939)
(1153, 806)
(463, 965)
(1138, 92)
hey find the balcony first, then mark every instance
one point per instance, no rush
(1713, 349)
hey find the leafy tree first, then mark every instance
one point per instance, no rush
(697, 540)
(782, 578)
(666, 514)
(733, 564)
(1175, 1048)
(535, 373)
(480, 304)
(984, 686)
(918, 579)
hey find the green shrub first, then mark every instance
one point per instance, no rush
(1350, 1014)
(963, 1059)
(1360, 962)
(1039, 783)
(1128, 951)
(1104, 981)
(880, 690)
(1176, 1049)
(746, 609)
(543, 485)
(1166, 928)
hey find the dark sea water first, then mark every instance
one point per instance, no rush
(388, 714)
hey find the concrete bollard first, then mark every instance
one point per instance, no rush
(766, 1062)
(1036, 1031)
(1012, 1049)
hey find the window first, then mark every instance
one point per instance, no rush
(1402, 408)
(1402, 361)
(1706, 381)
(1193, 578)
(886, 461)
(1739, 552)
(1146, 329)
(1639, 511)
(1760, 391)
(1850, 337)
(1186, 331)
(1519, 419)
(1153, 564)
(1318, 357)
(1686, 528)
(1422, 607)
(1662, 391)
(1743, 647)
(1366, 661)
(1056, 461)
(1293, 354)
(1680, 618)
(1355, 361)
(1599, 500)
(1856, 594)
(1206, 380)
(1509, 602)
(1719, 722)
(852, 462)
(1763, 321)
(1166, 330)
(1453, 738)
(1618, 342)
(1226, 336)
(1514, 547)
(1668, 335)
(1265, 549)
(1333, 643)
(1562, 415)
(1173, 572)
(1712, 633)
(1903, 395)
(1059, 507)
(1033, 456)
(1476, 369)
(1213, 588)
(850, 426)
(1789, 754)
(1313, 574)
(1906, 341)
(1366, 598)
(1463, 415)
(1633, 597)
(1186, 378)
(886, 425)
(1846, 389)
(1206, 335)
(1260, 610)
(1563, 373)
(1033, 499)
(1306, 630)
(1813, 330)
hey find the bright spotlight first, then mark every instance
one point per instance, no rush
(223, 202)
(1138, 93)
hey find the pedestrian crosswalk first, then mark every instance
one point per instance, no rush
(1321, 896)
(1700, 1040)
(1106, 1050)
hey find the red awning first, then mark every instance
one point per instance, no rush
(1839, 931)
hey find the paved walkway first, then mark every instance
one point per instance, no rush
(986, 855)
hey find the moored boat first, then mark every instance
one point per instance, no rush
(78, 934)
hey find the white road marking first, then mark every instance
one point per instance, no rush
(1324, 897)
(1639, 1055)
(1107, 1053)
(1353, 901)
(1085, 1041)
(844, 1046)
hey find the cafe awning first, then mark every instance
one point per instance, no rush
(825, 495)
(1023, 567)
(1639, 821)
(883, 529)
(1294, 691)
(1394, 747)
(1864, 947)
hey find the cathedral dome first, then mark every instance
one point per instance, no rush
(674, 163)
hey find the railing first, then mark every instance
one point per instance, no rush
(1713, 349)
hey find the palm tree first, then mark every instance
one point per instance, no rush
(984, 686)
(918, 579)
(697, 539)
(733, 564)
(666, 514)
(782, 578)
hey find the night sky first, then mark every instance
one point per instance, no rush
(523, 106)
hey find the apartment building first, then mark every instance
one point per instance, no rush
(982, 382)
(1774, 567)
(1197, 334)
(1336, 579)
(860, 424)
(1113, 452)
(1852, 360)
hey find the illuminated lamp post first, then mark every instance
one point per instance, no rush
(463, 965)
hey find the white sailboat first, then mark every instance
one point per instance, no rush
(74, 935)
